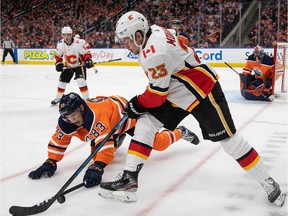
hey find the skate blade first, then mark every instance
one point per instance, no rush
(280, 200)
(122, 196)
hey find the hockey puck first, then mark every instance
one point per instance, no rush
(61, 199)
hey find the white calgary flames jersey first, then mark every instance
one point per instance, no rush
(73, 54)
(174, 71)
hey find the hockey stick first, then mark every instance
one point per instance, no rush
(111, 60)
(43, 206)
(61, 199)
(100, 62)
(231, 68)
(268, 98)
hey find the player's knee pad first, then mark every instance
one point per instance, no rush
(236, 146)
(62, 85)
(81, 82)
(146, 128)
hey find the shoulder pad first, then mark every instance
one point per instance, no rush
(268, 60)
(252, 57)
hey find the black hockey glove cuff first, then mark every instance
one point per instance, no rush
(59, 66)
(47, 169)
(134, 109)
(93, 175)
(89, 63)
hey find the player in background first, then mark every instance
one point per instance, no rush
(256, 78)
(91, 121)
(179, 85)
(94, 67)
(176, 25)
(76, 54)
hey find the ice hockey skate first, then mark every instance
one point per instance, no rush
(123, 189)
(273, 191)
(55, 101)
(188, 135)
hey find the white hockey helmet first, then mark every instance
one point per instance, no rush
(258, 51)
(67, 30)
(77, 36)
(129, 23)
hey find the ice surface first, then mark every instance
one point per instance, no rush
(183, 180)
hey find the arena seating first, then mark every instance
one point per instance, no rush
(38, 23)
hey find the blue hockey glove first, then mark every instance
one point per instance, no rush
(89, 63)
(46, 170)
(93, 175)
(134, 109)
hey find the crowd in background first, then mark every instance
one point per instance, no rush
(268, 26)
(38, 23)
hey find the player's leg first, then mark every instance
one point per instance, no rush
(165, 138)
(216, 122)
(64, 79)
(124, 188)
(80, 76)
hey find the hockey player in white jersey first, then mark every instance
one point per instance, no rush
(179, 85)
(72, 56)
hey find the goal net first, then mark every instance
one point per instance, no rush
(279, 77)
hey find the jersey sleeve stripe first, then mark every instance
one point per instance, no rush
(52, 142)
(55, 152)
(57, 147)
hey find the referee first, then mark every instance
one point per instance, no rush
(8, 46)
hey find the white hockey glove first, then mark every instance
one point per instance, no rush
(257, 71)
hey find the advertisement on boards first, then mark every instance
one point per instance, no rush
(215, 57)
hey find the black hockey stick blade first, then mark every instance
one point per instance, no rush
(43, 206)
(32, 210)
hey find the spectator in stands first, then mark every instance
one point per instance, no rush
(196, 16)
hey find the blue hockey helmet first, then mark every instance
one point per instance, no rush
(69, 103)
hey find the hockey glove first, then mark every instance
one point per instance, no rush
(46, 170)
(134, 109)
(257, 71)
(59, 66)
(93, 175)
(89, 63)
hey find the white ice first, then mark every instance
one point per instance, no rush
(183, 180)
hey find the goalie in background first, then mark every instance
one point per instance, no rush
(256, 78)
(91, 121)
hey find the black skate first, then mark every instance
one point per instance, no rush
(55, 101)
(123, 189)
(274, 193)
(188, 135)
